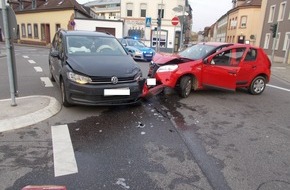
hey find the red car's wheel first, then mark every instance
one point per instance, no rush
(258, 85)
(185, 86)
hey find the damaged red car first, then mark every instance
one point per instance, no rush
(212, 65)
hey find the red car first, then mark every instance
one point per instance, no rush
(212, 65)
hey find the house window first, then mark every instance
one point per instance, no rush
(160, 11)
(267, 41)
(143, 10)
(243, 22)
(42, 30)
(35, 30)
(129, 9)
(272, 13)
(23, 30)
(29, 31)
(277, 41)
(282, 11)
(286, 41)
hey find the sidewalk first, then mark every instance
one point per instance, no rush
(33, 109)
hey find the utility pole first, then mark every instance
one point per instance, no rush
(9, 53)
(182, 25)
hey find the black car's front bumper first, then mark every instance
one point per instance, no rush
(94, 94)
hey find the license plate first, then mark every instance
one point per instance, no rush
(117, 92)
(148, 55)
(151, 81)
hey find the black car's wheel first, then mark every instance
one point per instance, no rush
(258, 85)
(50, 74)
(65, 103)
(185, 86)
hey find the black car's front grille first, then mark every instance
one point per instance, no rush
(107, 80)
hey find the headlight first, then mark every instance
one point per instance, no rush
(138, 76)
(167, 68)
(138, 52)
(78, 78)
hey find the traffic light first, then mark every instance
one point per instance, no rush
(159, 22)
(273, 28)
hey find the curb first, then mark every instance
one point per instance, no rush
(28, 119)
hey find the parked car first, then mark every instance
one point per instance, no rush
(213, 65)
(93, 68)
(137, 49)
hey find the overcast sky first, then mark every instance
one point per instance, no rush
(204, 12)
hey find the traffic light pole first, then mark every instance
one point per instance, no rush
(274, 43)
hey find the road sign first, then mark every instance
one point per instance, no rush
(175, 21)
(148, 22)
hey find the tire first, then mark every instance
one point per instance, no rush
(257, 86)
(50, 74)
(185, 86)
(65, 103)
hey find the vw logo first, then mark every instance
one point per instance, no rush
(114, 80)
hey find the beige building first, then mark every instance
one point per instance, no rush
(244, 22)
(37, 21)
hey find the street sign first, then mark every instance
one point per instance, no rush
(148, 22)
(175, 21)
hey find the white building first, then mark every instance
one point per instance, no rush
(139, 19)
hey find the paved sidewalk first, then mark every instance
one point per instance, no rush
(33, 109)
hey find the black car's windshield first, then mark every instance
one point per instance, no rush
(94, 45)
(198, 51)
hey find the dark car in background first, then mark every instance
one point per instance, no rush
(213, 65)
(93, 68)
(137, 49)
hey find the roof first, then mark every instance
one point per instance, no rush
(102, 2)
(248, 4)
(50, 5)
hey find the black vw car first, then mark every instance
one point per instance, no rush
(93, 68)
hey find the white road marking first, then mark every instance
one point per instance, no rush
(31, 61)
(63, 153)
(38, 69)
(47, 82)
(25, 56)
(277, 87)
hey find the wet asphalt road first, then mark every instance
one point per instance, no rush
(211, 140)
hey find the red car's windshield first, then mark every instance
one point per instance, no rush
(198, 51)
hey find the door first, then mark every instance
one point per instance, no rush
(221, 70)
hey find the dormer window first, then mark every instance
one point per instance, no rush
(33, 4)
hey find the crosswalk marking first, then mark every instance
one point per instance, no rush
(25, 56)
(47, 82)
(38, 69)
(31, 61)
(63, 153)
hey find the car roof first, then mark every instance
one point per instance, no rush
(86, 33)
(214, 43)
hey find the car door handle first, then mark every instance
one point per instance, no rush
(254, 67)
(232, 72)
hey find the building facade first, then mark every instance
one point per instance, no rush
(242, 22)
(37, 21)
(105, 9)
(276, 12)
(140, 17)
